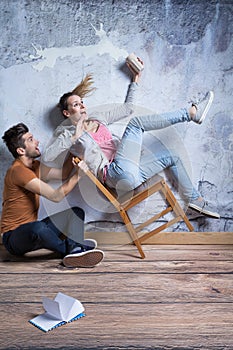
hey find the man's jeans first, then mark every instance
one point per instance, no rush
(47, 233)
(132, 166)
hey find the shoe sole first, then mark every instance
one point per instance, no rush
(206, 110)
(90, 258)
(203, 211)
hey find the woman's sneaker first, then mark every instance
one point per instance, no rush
(203, 107)
(203, 207)
(89, 258)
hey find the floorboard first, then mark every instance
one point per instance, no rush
(179, 297)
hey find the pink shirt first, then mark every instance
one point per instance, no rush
(104, 139)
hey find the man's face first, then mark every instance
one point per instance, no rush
(76, 109)
(31, 146)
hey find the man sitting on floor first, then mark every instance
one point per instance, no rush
(21, 231)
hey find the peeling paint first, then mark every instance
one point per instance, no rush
(47, 57)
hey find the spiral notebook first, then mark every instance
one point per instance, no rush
(63, 309)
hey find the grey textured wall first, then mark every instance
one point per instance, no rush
(47, 46)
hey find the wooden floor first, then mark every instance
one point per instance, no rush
(179, 297)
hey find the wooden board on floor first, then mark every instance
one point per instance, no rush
(186, 238)
(166, 238)
(179, 297)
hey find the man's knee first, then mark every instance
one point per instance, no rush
(38, 230)
(79, 212)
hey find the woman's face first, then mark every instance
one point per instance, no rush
(75, 109)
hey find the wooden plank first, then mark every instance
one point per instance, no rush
(127, 253)
(106, 326)
(174, 259)
(121, 287)
(187, 238)
(54, 267)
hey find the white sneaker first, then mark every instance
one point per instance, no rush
(89, 258)
(203, 107)
(203, 207)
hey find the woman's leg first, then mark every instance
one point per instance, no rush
(124, 172)
(160, 121)
(159, 158)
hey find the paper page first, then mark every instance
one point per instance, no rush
(69, 307)
(45, 322)
(65, 303)
(53, 308)
(76, 309)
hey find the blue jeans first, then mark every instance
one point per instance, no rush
(131, 166)
(60, 232)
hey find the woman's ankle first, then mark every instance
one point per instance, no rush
(192, 112)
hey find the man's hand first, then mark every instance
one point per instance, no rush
(80, 165)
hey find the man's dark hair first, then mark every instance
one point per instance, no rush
(13, 138)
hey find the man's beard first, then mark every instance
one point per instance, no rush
(34, 154)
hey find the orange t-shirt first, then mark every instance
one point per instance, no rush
(20, 206)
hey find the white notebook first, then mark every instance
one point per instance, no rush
(61, 310)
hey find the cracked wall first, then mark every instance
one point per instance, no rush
(47, 46)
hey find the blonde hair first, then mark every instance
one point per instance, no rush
(82, 89)
(85, 87)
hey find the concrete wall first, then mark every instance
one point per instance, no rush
(47, 46)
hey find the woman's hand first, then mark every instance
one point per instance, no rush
(136, 75)
(78, 130)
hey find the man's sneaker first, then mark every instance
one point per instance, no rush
(202, 107)
(89, 258)
(89, 244)
(203, 207)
